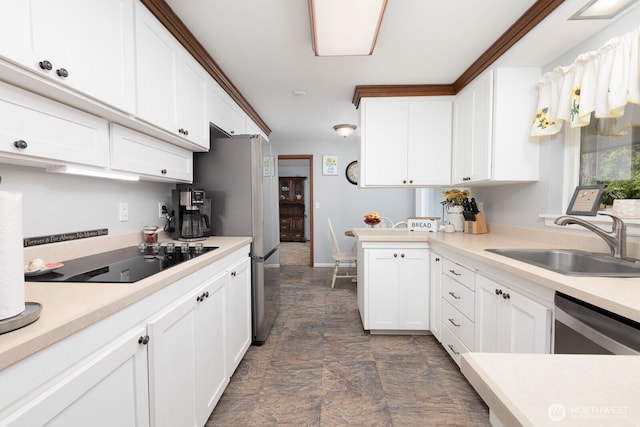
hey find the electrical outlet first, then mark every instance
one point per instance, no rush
(124, 211)
(160, 206)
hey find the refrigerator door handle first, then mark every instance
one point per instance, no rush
(265, 257)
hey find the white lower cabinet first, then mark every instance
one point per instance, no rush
(396, 287)
(185, 342)
(238, 313)
(435, 271)
(508, 321)
(161, 361)
(108, 389)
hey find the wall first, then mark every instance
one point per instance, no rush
(338, 200)
(55, 203)
(520, 204)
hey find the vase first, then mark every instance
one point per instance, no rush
(626, 208)
(455, 217)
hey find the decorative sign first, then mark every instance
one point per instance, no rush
(329, 165)
(56, 238)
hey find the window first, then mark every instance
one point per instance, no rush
(610, 160)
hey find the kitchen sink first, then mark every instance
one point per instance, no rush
(575, 262)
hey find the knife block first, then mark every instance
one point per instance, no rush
(476, 227)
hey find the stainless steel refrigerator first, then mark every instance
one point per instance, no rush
(239, 174)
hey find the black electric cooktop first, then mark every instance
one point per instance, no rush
(125, 265)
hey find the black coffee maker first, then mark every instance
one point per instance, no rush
(192, 220)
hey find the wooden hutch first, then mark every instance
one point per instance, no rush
(292, 208)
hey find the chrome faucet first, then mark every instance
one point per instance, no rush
(616, 238)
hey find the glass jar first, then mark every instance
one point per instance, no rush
(150, 234)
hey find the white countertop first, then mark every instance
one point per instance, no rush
(557, 390)
(70, 307)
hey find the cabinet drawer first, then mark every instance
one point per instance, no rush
(453, 345)
(461, 327)
(462, 274)
(458, 296)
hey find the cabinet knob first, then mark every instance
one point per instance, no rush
(466, 178)
(232, 132)
(163, 171)
(437, 259)
(20, 144)
(186, 132)
(402, 256)
(498, 291)
(410, 181)
(506, 296)
(46, 65)
(206, 294)
(62, 72)
(395, 255)
(181, 131)
(404, 181)
(143, 340)
(233, 274)
(199, 298)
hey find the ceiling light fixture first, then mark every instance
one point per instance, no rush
(345, 27)
(344, 130)
(601, 9)
(98, 173)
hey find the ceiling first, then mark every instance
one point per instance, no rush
(265, 49)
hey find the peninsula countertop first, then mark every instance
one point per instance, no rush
(70, 307)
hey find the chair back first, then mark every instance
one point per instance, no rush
(335, 249)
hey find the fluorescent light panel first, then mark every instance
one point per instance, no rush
(601, 9)
(345, 27)
(98, 173)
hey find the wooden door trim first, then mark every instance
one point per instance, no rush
(309, 158)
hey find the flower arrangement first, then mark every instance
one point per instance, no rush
(454, 197)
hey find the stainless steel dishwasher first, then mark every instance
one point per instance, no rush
(582, 328)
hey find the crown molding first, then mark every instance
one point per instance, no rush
(161, 10)
(529, 19)
(400, 90)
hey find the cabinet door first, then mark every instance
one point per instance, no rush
(413, 289)
(462, 137)
(383, 149)
(482, 128)
(382, 288)
(50, 130)
(135, 152)
(212, 378)
(191, 96)
(488, 303)
(529, 325)
(222, 111)
(172, 368)
(429, 142)
(109, 389)
(96, 51)
(435, 272)
(157, 57)
(238, 313)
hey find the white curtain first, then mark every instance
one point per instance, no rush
(605, 82)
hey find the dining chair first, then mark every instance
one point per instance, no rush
(385, 222)
(400, 224)
(339, 256)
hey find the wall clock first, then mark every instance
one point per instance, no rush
(352, 172)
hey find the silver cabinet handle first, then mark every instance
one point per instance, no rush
(454, 323)
(453, 349)
(455, 273)
(454, 295)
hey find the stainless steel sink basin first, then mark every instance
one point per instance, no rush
(574, 262)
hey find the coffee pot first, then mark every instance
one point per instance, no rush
(191, 224)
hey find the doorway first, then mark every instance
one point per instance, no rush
(298, 169)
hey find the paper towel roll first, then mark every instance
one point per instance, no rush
(11, 255)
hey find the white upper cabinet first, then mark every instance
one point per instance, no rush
(492, 120)
(223, 112)
(38, 131)
(405, 141)
(171, 86)
(88, 46)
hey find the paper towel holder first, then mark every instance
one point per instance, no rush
(30, 314)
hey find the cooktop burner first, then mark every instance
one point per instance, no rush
(125, 265)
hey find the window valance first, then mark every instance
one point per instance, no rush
(604, 82)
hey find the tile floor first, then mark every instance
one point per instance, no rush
(319, 368)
